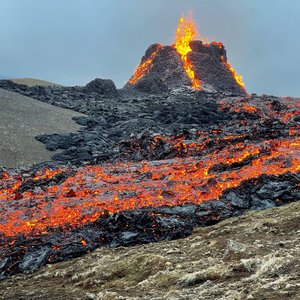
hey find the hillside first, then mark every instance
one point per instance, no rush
(18, 144)
(33, 82)
(255, 256)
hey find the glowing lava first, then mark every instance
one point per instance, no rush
(144, 68)
(93, 190)
(238, 78)
(186, 32)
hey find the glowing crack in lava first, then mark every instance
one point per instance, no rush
(186, 32)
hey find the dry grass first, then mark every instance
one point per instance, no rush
(256, 256)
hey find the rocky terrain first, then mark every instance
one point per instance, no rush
(161, 165)
(116, 115)
(117, 119)
(255, 256)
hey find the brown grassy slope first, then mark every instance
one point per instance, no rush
(256, 256)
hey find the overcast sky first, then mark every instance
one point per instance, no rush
(74, 41)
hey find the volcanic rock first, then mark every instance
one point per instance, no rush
(152, 84)
(169, 67)
(35, 259)
(209, 62)
(273, 190)
(130, 119)
(101, 87)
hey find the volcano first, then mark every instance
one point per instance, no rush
(188, 62)
(182, 145)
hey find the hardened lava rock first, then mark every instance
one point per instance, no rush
(208, 61)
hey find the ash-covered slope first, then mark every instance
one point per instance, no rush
(21, 119)
(162, 68)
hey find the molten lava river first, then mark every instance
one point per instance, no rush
(90, 191)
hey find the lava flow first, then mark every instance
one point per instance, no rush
(186, 33)
(32, 204)
(237, 77)
(144, 67)
(94, 190)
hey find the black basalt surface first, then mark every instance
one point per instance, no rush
(117, 122)
(208, 61)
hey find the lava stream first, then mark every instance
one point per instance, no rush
(144, 68)
(93, 190)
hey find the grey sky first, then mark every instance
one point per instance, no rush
(73, 41)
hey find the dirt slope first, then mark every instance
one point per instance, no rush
(21, 119)
(256, 256)
(33, 82)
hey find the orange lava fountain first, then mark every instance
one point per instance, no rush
(185, 33)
